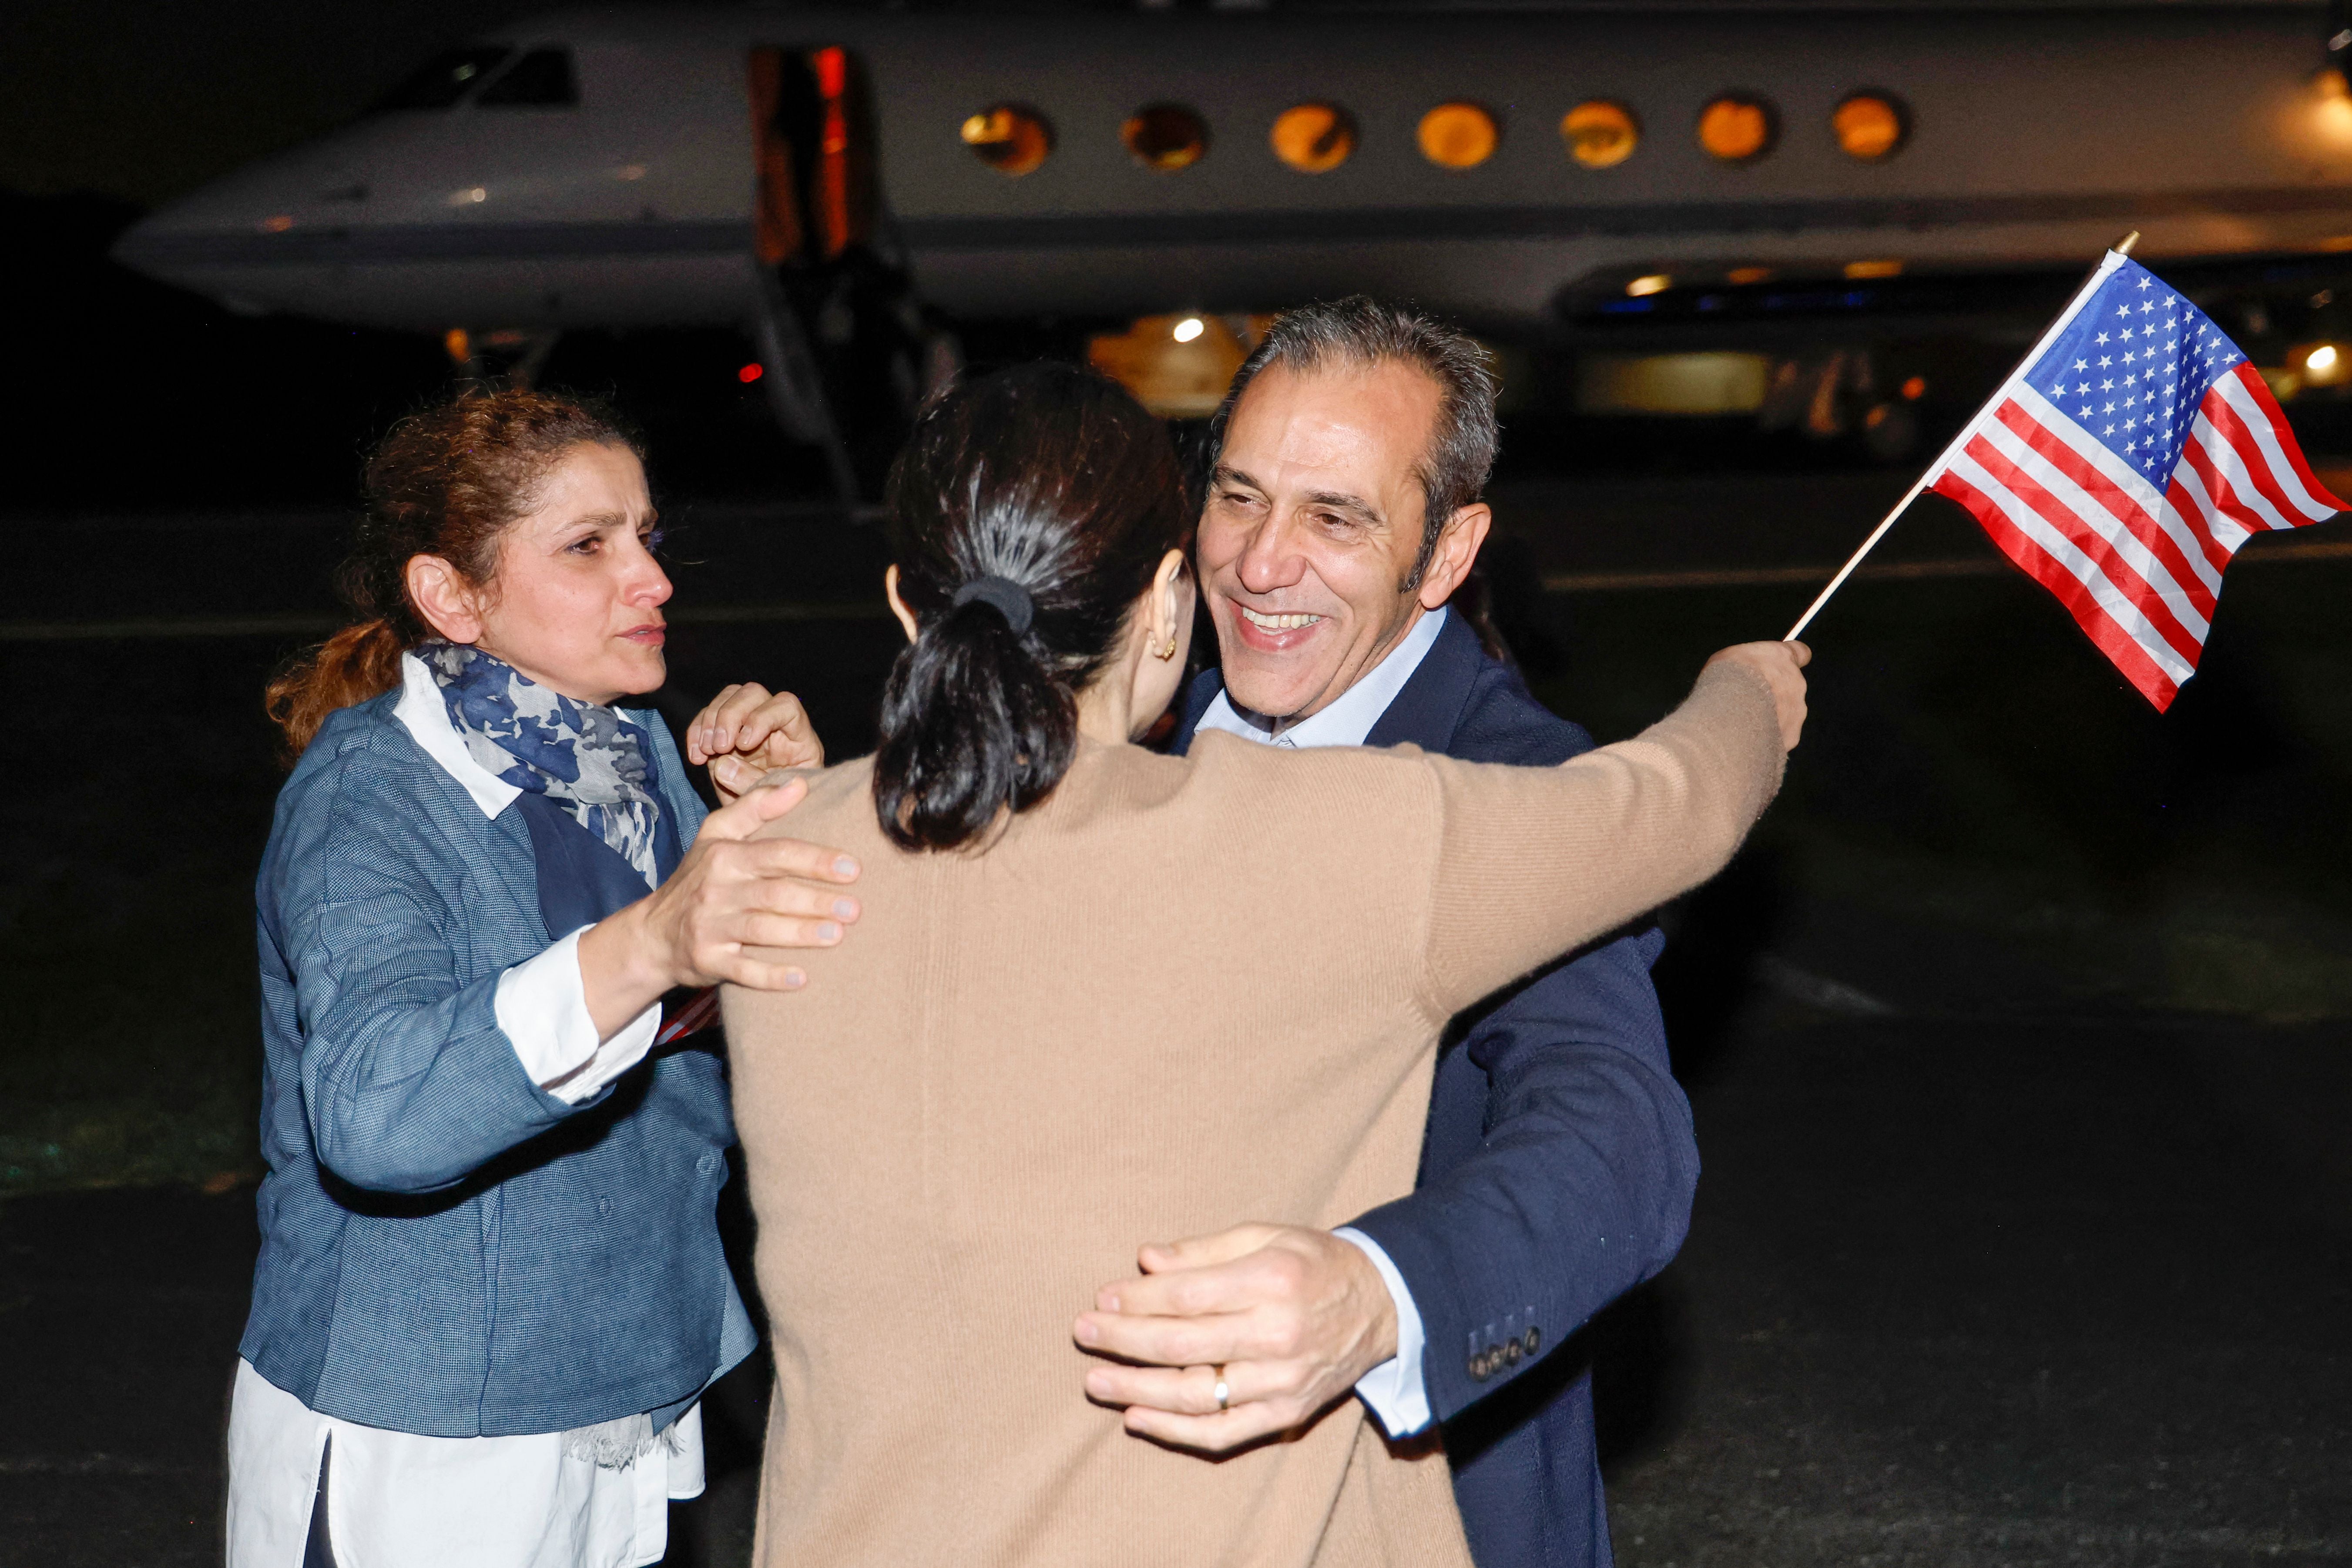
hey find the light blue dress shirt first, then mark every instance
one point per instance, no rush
(1393, 1389)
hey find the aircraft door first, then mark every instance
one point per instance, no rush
(822, 236)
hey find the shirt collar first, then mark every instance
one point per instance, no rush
(1350, 716)
(426, 718)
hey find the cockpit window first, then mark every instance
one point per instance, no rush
(445, 79)
(540, 80)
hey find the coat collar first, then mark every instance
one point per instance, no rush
(1427, 710)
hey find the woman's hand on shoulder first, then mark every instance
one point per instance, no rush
(732, 892)
(747, 731)
(1781, 665)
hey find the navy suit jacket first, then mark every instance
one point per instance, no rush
(1555, 1173)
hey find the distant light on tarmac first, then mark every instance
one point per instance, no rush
(2323, 358)
(1191, 327)
(750, 372)
(2333, 113)
(469, 196)
(277, 224)
(1860, 270)
(1655, 283)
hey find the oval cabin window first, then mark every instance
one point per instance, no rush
(1871, 126)
(1009, 138)
(1458, 135)
(1313, 138)
(1737, 130)
(1166, 136)
(1600, 135)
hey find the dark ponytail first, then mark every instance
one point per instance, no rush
(446, 481)
(1055, 483)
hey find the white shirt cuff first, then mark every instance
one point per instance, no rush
(542, 1006)
(1393, 1390)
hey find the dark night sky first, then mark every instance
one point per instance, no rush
(145, 98)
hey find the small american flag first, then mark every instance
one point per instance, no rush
(2124, 462)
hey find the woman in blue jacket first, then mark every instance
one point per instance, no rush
(491, 1287)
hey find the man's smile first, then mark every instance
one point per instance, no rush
(1289, 622)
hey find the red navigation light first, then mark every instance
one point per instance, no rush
(750, 372)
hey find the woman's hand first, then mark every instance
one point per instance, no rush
(747, 731)
(730, 892)
(1777, 664)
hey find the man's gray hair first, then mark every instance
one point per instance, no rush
(1359, 330)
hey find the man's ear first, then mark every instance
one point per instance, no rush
(1456, 552)
(899, 605)
(446, 600)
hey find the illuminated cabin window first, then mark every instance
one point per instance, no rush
(1600, 135)
(1458, 135)
(1737, 130)
(1009, 138)
(1871, 126)
(1166, 136)
(1313, 138)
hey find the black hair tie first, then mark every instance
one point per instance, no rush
(1002, 594)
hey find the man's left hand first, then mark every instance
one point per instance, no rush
(1291, 1317)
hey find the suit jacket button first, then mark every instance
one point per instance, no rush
(1478, 1368)
(1534, 1341)
(1511, 1354)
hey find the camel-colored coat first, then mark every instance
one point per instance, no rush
(1181, 994)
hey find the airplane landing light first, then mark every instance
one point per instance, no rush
(1600, 135)
(1313, 138)
(1870, 126)
(1655, 283)
(1737, 130)
(1458, 135)
(1191, 327)
(1166, 136)
(1009, 138)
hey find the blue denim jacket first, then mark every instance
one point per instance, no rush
(447, 1248)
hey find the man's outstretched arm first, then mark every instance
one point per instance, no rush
(1580, 1189)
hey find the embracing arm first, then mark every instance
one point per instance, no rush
(411, 1080)
(1580, 1189)
(1589, 1144)
(1532, 862)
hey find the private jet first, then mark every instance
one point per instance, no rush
(832, 179)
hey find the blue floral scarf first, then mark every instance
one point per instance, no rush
(598, 764)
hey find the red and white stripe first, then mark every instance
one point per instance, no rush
(2140, 568)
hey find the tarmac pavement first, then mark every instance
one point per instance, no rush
(1959, 1291)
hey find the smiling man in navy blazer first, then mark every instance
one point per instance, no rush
(1558, 1164)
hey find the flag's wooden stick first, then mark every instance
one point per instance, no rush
(2121, 247)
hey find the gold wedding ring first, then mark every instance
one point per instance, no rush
(1224, 1394)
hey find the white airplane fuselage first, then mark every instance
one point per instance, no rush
(2035, 136)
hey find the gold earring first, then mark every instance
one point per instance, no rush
(1170, 651)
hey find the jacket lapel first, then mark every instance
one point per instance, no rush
(1427, 709)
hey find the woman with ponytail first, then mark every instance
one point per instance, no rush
(1103, 994)
(491, 1289)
